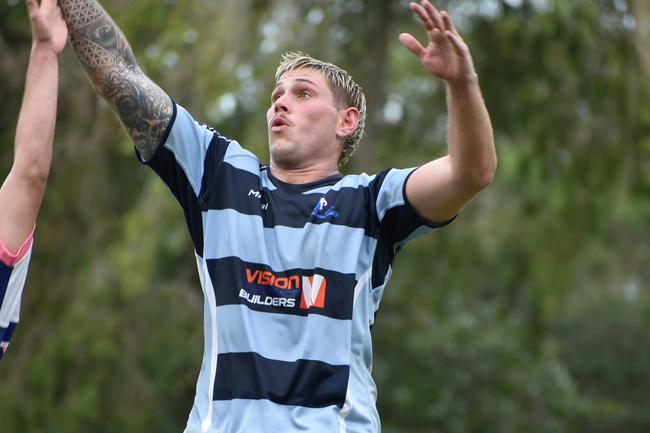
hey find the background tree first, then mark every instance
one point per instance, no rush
(529, 313)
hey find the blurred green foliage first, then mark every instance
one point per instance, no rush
(529, 313)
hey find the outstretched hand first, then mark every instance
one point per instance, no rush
(446, 56)
(48, 26)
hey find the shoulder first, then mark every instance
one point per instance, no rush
(390, 180)
(361, 180)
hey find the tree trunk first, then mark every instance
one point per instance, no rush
(641, 12)
(375, 50)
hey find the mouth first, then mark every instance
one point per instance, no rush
(279, 122)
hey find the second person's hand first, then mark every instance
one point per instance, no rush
(48, 27)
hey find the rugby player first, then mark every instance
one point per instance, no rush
(293, 257)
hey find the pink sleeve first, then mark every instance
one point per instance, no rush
(10, 259)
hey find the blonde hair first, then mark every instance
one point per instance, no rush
(347, 93)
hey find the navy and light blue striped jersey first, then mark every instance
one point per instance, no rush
(13, 273)
(292, 276)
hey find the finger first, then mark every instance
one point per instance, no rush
(412, 44)
(424, 17)
(435, 35)
(457, 42)
(433, 14)
(449, 25)
(50, 3)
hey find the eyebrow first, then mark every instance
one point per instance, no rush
(304, 80)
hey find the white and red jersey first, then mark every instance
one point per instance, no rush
(13, 273)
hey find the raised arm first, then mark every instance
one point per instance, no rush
(22, 191)
(439, 189)
(144, 108)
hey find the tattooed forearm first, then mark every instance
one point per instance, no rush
(143, 107)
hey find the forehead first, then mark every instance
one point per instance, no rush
(306, 75)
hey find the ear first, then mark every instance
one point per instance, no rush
(348, 121)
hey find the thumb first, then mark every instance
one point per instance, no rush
(412, 44)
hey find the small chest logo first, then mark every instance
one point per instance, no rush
(258, 195)
(321, 211)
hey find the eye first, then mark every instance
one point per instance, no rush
(276, 95)
(304, 94)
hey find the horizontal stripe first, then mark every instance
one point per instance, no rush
(343, 249)
(6, 332)
(361, 398)
(178, 181)
(420, 231)
(5, 275)
(399, 225)
(300, 383)
(10, 307)
(188, 142)
(212, 162)
(232, 188)
(353, 181)
(242, 191)
(262, 288)
(284, 338)
(242, 159)
(391, 191)
(204, 387)
(382, 260)
(401, 222)
(263, 416)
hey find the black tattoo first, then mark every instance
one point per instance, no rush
(144, 108)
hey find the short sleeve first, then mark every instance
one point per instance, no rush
(187, 151)
(398, 219)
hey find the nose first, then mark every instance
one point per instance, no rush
(280, 105)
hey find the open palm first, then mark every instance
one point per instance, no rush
(48, 25)
(446, 56)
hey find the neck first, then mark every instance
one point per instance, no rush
(302, 175)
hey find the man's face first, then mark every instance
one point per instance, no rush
(303, 120)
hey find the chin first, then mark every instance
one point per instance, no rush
(284, 153)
